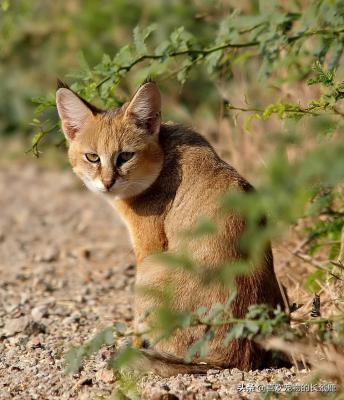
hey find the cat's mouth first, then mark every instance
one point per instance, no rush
(95, 185)
(120, 188)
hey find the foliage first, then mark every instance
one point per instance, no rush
(75, 355)
(41, 40)
(271, 45)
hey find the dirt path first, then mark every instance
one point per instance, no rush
(66, 271)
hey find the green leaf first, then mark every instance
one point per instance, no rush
(200, 347)
(236, 332)
(314, 280)
(86, 70)
(44, 102)
(176, 260)
(4, 4)
(252, 327)
(204, 226)
(140, 37)
(76, 355)
(181, 40)
(120, 327)
(212, 61)
(125, 357)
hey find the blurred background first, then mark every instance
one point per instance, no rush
(43, 40)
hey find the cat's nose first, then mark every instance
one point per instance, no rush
(109, 183)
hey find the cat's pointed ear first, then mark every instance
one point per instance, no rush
(145, 108)
(72, 110)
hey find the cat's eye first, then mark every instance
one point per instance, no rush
(92, 157)
(124, 157)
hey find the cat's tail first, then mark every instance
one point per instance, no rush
(166, 365)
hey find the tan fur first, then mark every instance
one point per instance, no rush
(189, 180)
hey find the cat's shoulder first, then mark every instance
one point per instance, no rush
(177, 135)
(199, 155)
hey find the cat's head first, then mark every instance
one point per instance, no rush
(117, 151)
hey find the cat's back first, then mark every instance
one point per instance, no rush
(200, 179)
(190, 156)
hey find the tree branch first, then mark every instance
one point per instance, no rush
(210, 50)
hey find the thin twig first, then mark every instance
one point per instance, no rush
(337, 264)
(284, 295)
(205, 52)
(194, 52)
(310, 260)
(341, 251)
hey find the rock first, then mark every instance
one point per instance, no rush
(189, 396)
(35, 342)
(22, 325)
(236, 374)
(86, 290)
(19, 340)
(10, 308)
(49, 254)
(106, 353)
(169, 396)
(213, 371)
(25, 298)
(34, 328)
(85, 381)
(226, 372)
(14, 326)
(215, 386)
(39, 312)
(105, 375)
(109, 274)
(211, 395)
(120, 283)
(73, 318)
(84, 253)
(156, 394)
(130, 270)
(76, 316)
(80, 298)
(81, 253)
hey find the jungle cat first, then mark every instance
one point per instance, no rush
(161, 178)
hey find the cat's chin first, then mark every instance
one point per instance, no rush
(130, 190)
(93, 185)
(116, 193)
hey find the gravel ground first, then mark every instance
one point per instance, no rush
(67, 271)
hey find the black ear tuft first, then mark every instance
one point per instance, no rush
(95, 110)
(148, 79)
(61, 85)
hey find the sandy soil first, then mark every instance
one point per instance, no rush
(66, 271)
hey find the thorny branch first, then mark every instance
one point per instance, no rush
(205, 52)
(310, 260)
